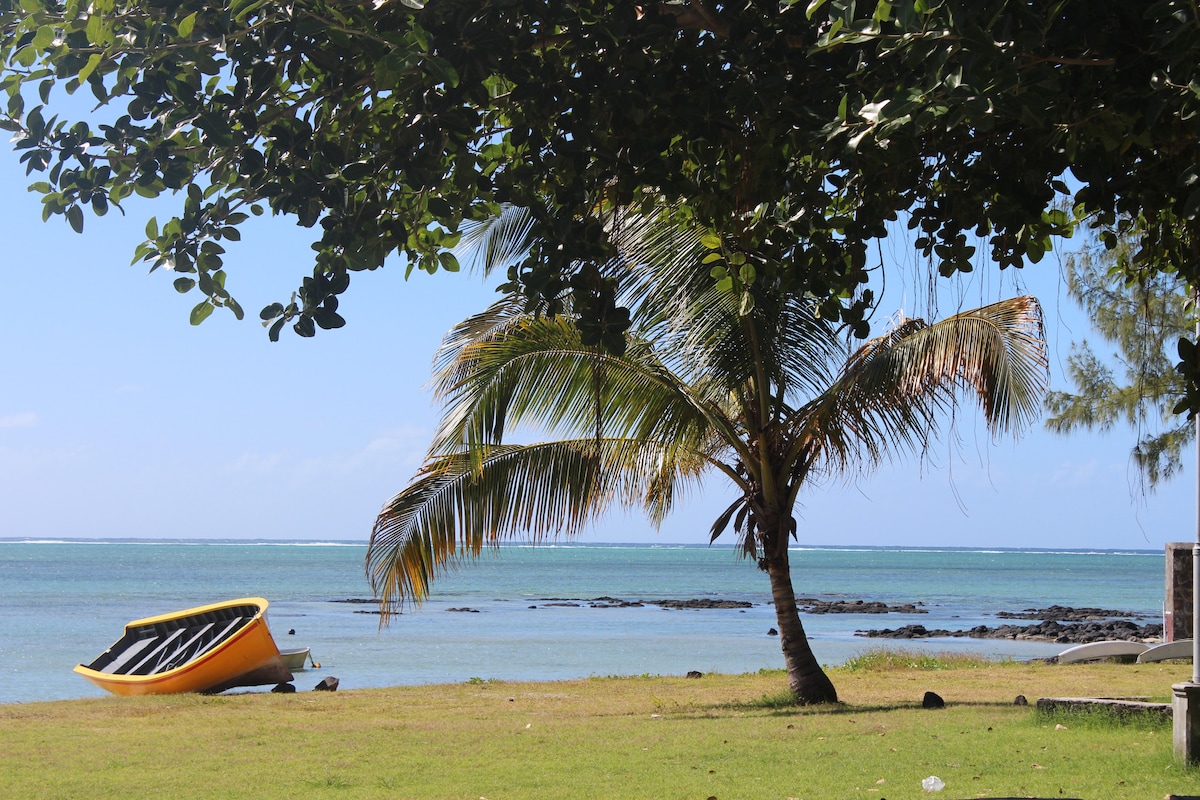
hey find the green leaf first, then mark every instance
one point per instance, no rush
(305, 327)
(202, 311)
(711, 241)
(184, 285)
(240, 9)
(75, 217)
(328, 319)
(186, 25)
(90, 67)
(271, 312)
(813, 7)
(442, 70)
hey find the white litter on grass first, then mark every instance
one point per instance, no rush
(933, 784)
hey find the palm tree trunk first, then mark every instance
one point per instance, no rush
(806, 679)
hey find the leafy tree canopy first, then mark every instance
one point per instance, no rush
(794, 132)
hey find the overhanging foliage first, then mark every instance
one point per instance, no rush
(794, 132)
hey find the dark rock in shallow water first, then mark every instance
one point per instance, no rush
(356, 600)
(614, 602)
(328, 684)
(702, 603)
(1050, 631)
(464, 610)
(932, 700)
(907, 632)
(1067, 614)
(810, 605)
(772, 632)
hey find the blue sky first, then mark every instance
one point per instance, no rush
(119, 419)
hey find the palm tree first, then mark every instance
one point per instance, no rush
(741, 382)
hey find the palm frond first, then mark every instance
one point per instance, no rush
(537, 371)
(452, 510)
(708, 334)
(894, 390)
(499, 241)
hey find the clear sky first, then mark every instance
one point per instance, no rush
(119, 419)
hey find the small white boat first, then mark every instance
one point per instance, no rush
(1180, 648)
(294, 658)
(1097, 650)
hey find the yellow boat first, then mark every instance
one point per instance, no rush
(207, 649)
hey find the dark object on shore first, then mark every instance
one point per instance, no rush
(932, 700)
(1020, 700)
(1050, 631)
(810, 605)
(356, 600)
(464, 610)
(283, 688)
(328, 684)
(772, 632)
(695, 674)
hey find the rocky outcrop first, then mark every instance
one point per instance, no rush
(1050, 631)
(616, 602)
(703, 603)
(811, 605)
(1068, 614)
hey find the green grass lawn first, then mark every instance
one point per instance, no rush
(719, 736)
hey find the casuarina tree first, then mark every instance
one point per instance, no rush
(1143, 314)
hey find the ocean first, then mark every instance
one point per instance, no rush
(65, 602)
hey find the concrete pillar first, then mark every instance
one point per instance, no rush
(1177, 614)
(1185, 709)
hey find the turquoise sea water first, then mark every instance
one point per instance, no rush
(62, 603)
